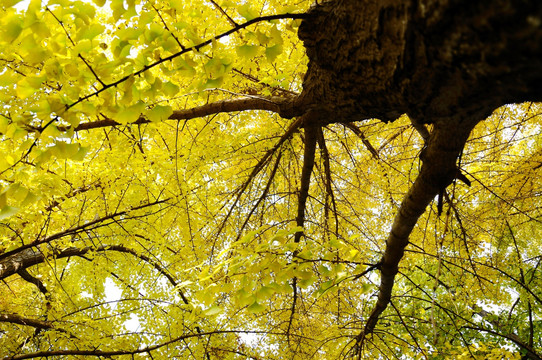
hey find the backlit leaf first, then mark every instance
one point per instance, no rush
(159, 113)
(247, 51)
(12, 28)
(272, 52)
(8, 211)
(255, 308)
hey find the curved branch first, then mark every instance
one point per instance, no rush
(30, 257)
(356, 130)
(13, 254)
(157, 266)
(263, 196)
(23, 273)
(284, 106)
(438, 170)
(327, 180)
(531, 352)
(219, 8)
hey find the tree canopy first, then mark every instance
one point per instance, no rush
(226, 179)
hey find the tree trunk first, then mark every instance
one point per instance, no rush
(442, 62)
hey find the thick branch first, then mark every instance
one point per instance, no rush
(310, 124)
(439, 169)
(311, 136)
(431, 59)
(35, 323)
(284, 106)
(17, 319)
(23, 273)
(447, 63)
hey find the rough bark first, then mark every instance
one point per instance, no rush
(435, 60)
(442, 62)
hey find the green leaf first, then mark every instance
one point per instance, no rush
(83, 46)
(305, 254)
(159, 113)
(8, 211)
(80, 154)
(91, 32)
(366, 287)
(244, 298)
(214, 68)
(263, 39)
(276, 35)
(129, 33)
(50, 131)
(304, 274)
(291, 246)
(155, 30)
(117, 6)
(324, 288)
(247, 51)
(40, 29)
(43, 157)
(170, 89)
(306, 283)
(265, 292)
(121, 49)
(324, 270)
(4, 122)
(336, 243)
(64, 150)
(29, 199)
(247, 11)
(12, 28)
(255, 307)
(272, 52)
(24, 89)
(212, 83)
(213, 310)
(131, 113)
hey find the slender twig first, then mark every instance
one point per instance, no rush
(219, 8)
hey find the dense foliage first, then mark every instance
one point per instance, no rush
(143, 216)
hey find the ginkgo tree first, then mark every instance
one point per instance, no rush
(270, 180)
